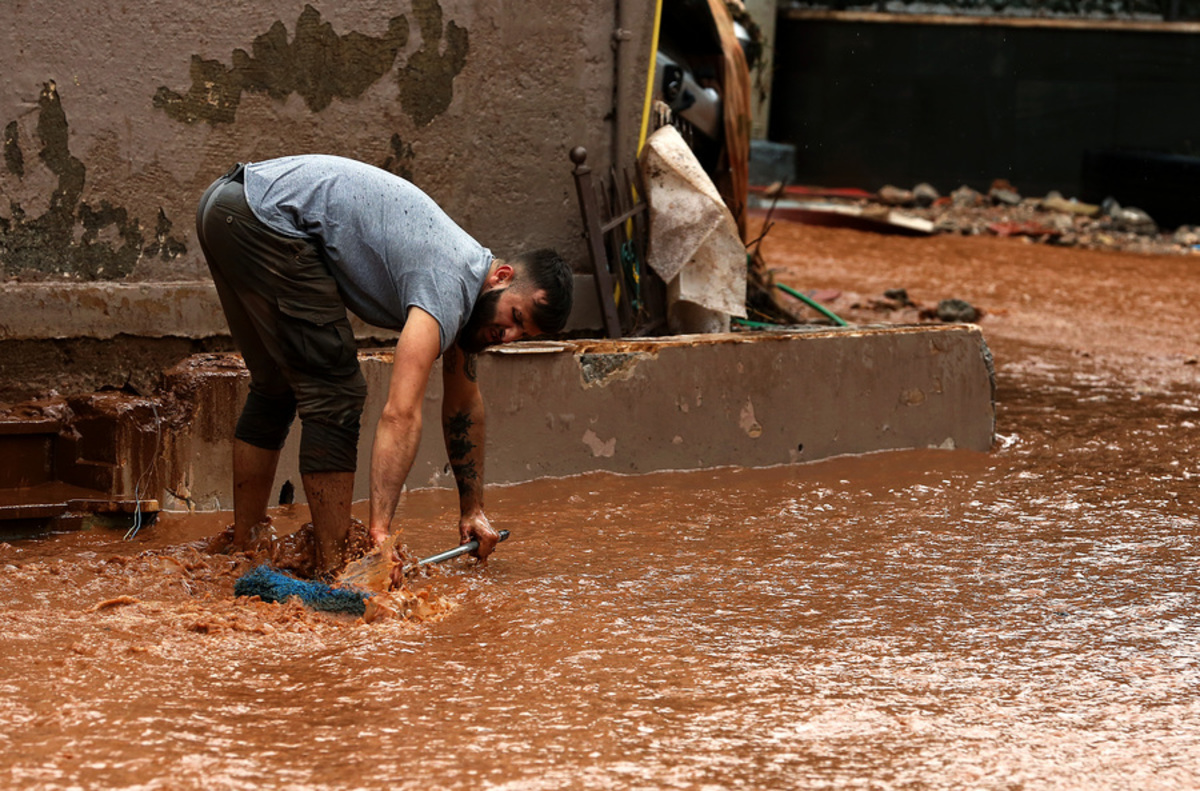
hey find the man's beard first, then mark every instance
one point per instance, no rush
(470, 338)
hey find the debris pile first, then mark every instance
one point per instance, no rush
(894, 306)
(1050, 219)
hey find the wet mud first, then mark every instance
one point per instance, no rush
(295, 552)
(1025, 618)
(1135, 313)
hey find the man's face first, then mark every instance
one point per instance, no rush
(501, 315)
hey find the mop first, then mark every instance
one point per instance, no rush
(273, 585)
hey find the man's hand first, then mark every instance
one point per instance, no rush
(476, 526)
(380, 537)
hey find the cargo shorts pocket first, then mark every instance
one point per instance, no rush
(316, 338)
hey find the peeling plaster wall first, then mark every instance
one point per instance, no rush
(116, 116)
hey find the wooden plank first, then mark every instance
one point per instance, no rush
(13, 426)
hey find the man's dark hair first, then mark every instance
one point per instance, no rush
(545, 269)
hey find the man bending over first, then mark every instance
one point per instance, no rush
(292, 243)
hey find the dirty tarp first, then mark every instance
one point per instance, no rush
(695, 246)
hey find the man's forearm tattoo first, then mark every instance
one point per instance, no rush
(459, 447)
(469, 365)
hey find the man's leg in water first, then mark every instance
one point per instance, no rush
(329, 497)
(224, 225)
(291, 326)
(330, 409)
(253, 481)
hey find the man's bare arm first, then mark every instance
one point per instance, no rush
(398, 433)
(464, 429)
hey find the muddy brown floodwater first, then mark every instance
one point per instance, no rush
(1022, 619)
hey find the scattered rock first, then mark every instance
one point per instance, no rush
(1004, 194)
(1186, 235)
(1129, 218)
(948, 224)
(895, 196)
(1053, 219)
(1063, 223)
(956, 310)
(965, 198)
(1005, 198)
(924, 195)
(899, 296)
(1054, 201)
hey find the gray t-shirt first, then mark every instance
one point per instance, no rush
(389, 245)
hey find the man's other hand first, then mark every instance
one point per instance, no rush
(476, 526)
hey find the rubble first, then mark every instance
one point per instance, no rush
(895, 196)
(951, 310)
(1054, 201)
(900, 308)
(1128, 219)
(1051, 219)
(925, 194)
(1186, 236)
(965, 198)
(1004, 193)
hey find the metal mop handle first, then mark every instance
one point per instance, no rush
(461, 549)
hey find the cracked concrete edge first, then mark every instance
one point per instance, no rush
(59, 310)
(56, 310)
(687, 402)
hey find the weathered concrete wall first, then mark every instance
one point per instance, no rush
(556, 409)
(116, 116)
(110, 141)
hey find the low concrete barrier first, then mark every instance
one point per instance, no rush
(678, 403)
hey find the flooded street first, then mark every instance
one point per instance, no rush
(1024, 619)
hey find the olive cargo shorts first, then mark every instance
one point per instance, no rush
(290, 324)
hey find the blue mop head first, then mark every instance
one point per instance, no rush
(274, 585)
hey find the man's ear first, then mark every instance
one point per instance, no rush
(502, 275)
